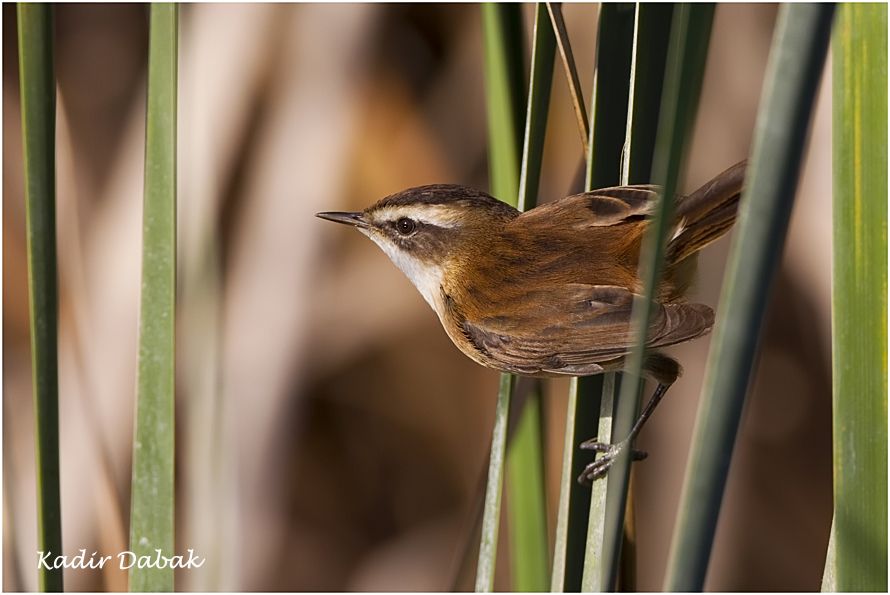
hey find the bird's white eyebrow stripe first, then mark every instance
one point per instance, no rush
(438, 215)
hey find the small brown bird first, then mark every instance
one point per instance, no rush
(549, 292)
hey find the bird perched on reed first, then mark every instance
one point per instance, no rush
(549, 292)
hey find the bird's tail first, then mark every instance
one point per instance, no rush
(707, 213)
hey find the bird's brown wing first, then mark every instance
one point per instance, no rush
(577, 329)
(598, 208)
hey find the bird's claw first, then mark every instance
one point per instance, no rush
(609, 454)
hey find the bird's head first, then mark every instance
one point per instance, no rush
(421, 229)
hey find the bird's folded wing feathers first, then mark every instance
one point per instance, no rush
(593, 327)
(606, 206)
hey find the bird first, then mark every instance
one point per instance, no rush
(549, 292)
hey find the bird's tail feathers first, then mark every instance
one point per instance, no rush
(707, 213)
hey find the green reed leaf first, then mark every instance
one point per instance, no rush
(506, 95)
(612, 82)
(151, 515)
(793, 71)
(859, 299)
(525, 475)
(503, 45)
(38, 97)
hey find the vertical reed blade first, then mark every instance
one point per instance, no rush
(598, 541)
(859, 299)
(612, 83)
(151, 515)
(504, 85)
(611, 88)
(653, 32)
(505, 95)
(574, 500)
(526, 496)
(540, 85)
(488, 545)
(686, 53)
(38, 98)
(795, 66)
(504, 48)
(526, 485)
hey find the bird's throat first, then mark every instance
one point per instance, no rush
(426, 277)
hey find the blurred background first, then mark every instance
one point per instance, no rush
(330, 436)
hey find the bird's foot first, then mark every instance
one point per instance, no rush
(609, 453)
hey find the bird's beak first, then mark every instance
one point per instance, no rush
(353, 219)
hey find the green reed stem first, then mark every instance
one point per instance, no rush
(859, 298)
(793, 71)
(608, 131)
(491, 518)
(525, 458)
(152, 512)
(504, 49)
(684, 72)
(574, 500)
(504, 95)
(526, 474)
(38, 97)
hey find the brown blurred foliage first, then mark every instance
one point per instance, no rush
(329, 434)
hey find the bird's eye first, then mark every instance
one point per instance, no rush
(406, 226)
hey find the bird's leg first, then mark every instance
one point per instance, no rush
(611, 452)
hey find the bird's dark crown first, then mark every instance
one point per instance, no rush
(445, 194)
